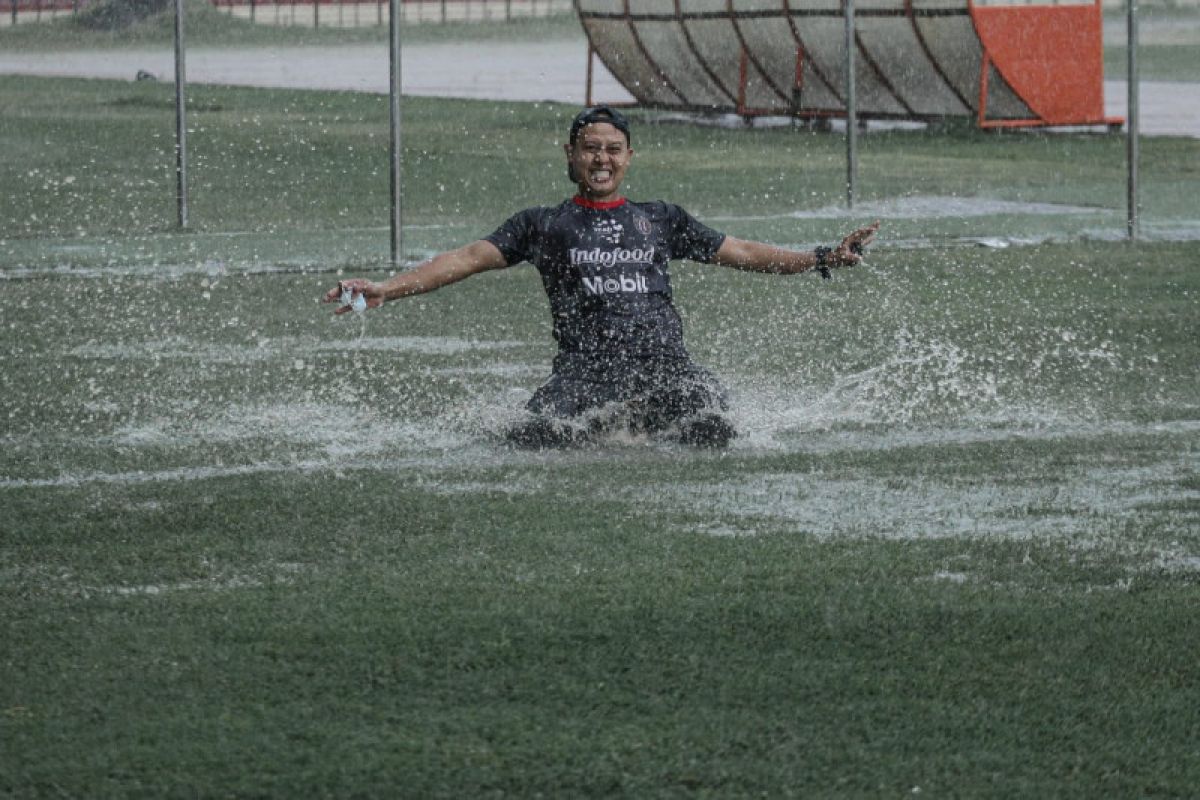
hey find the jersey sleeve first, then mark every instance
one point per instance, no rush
(690, 238)
(517, 239)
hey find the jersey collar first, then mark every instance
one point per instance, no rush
(580, 200)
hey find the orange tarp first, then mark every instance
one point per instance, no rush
(1052, 56)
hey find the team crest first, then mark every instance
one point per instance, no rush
(642, 224)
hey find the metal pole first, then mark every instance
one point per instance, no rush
(851, 109)
(394, 103)
(181, 196)
(591, 57)
(1131, 133)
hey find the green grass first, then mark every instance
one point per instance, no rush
(400, 602)
(89, 166)
(207, 26)
(1167, 42)
(1155, 62)
(248, 549)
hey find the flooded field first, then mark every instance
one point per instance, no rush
(248, 548)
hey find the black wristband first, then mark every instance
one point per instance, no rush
(822, 254)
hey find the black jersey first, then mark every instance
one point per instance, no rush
(604, 268)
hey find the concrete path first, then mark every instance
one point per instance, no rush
(553, 70)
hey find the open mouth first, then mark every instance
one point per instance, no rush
(601, 175)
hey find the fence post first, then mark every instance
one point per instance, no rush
(394, 109)
(1131, 123)
(851, 109)
(181, 198)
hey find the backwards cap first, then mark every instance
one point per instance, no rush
(599, 114)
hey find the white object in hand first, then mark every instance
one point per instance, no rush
(357, 302)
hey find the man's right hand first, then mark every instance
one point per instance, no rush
(853, 247)
(355, 287)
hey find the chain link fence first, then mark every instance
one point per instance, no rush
(321, 13)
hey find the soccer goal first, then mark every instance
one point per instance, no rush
(1004, 64)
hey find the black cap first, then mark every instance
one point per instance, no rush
(599, 114)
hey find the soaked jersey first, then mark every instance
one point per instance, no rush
(604, 268)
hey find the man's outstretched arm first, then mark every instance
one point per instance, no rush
(761, 257)
(441, 270)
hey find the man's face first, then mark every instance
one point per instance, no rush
(599, 159)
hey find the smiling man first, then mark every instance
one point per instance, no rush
(603, 261)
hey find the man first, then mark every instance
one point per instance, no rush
(603, 262)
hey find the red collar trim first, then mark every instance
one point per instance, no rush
(580, 200)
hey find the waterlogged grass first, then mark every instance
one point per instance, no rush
(248, 549)
(89, 176)
(450, 648)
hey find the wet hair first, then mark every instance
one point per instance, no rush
(599, 114)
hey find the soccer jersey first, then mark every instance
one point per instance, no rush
(604, 269)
